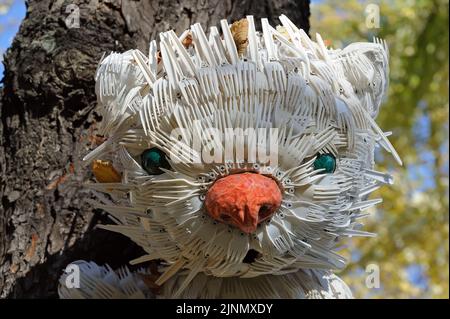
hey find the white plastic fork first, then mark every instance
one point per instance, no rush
(326, 109)
(152, 58)
(253, 43)
(276, 75)
(162, 93)
(209, 83)
(189, 89)
(186, 65)
(229, 42)
(228, 80)
(202, 46)
(298, 35)
(217, 44)
(170, 62)
(143, 66)
(149, 114)
(294, 89)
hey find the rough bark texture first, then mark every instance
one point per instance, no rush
(48, 122)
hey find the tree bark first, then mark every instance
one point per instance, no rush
(48, 122)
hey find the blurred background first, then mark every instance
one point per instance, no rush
(412, 246)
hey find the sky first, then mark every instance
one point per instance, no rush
(12, 13)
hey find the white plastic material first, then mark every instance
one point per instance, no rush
(321, 100)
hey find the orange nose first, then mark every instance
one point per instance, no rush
(243, 200)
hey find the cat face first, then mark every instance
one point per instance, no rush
(240, 158)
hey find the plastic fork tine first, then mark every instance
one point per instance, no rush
(218, 46)
(188, 65)
(202, 45)
(101, 62)
(268, 40)
(152, 58)
(229, 79)
(158, 90)
(149, 77)
(190, 92)
(307, 42)
(377, 129)
(110, 67)
(112, 58)
(109, 64)
(322, 48)
(169, 64)
(153, 109)
(146, 116)
(302, 55)
(229, 42)
(253, 42)
(293, 31)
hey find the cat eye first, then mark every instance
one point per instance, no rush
(325, 161)
(153, 159)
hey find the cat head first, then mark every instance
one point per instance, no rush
(240, 153)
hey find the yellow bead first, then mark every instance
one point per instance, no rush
(105, 172)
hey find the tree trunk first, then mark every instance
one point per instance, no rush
(48, 122)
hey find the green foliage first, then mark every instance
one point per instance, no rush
(412, 223)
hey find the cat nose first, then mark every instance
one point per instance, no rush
(243, 200)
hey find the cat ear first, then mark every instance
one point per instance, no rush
(119, 82)
(366, 67)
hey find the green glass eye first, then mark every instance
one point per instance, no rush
(152, 160)
(326, 161)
